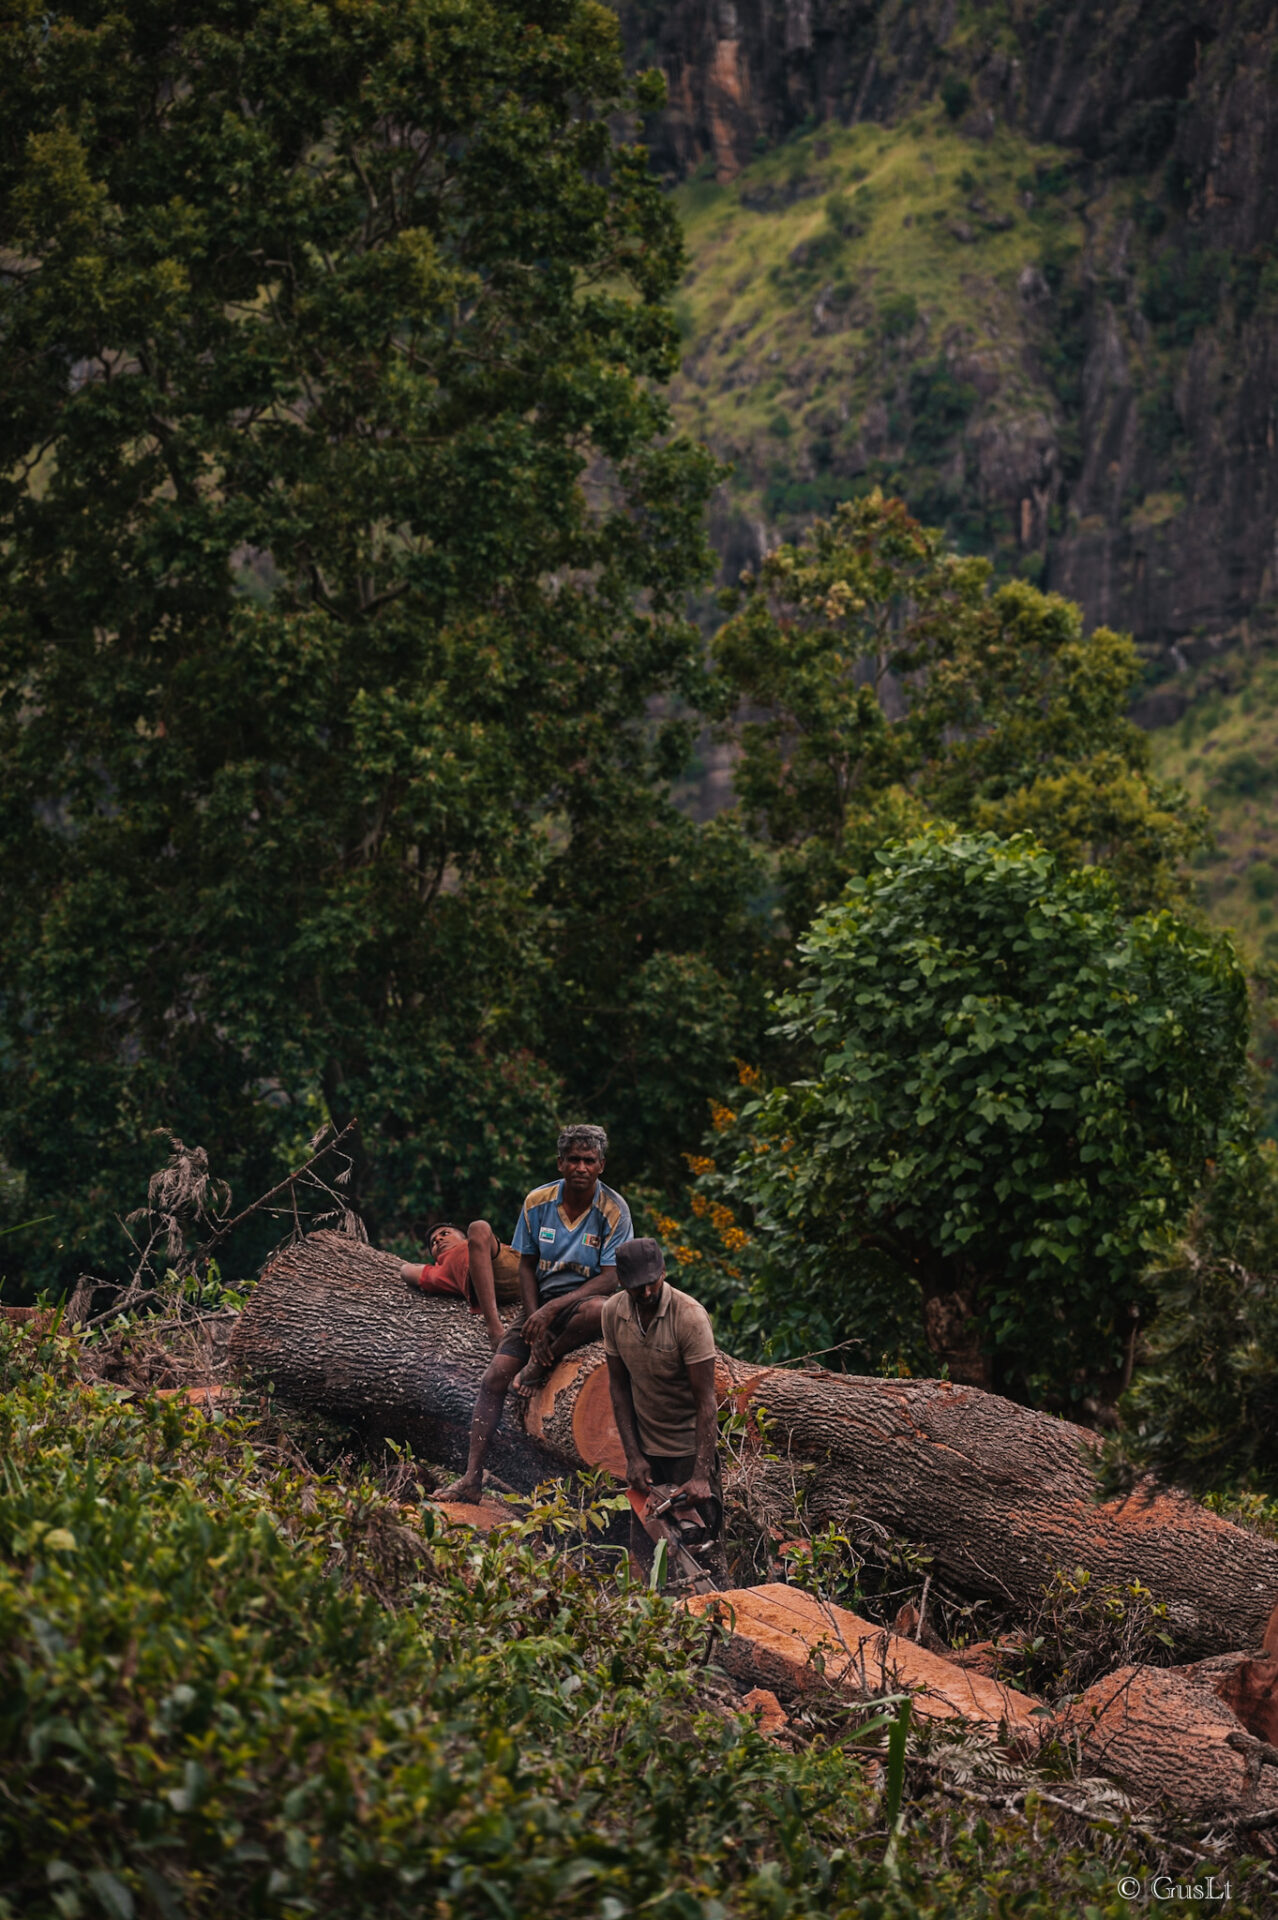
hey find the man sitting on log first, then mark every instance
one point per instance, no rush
(474, 1266)
(660, 1349)
(567, 1240)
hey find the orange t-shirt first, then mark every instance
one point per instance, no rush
(452, 1274)
(451, 1277)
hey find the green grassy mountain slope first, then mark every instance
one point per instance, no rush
(1225, 750)
(1017, 261)
(872, 306)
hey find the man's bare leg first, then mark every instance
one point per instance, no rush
(483, 1424)
(483, 1244)
(583, 1325)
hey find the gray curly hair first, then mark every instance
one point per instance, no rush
(592, 1137)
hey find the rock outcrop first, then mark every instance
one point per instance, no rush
(1146, 485)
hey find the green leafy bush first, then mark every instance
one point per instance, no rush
(940, 407)
(1182, 292)
(956, 95)
(229, 1686)
(1017, 1087)
(1203, 1410)
(898, 315)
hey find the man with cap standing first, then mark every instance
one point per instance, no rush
(660, 1349)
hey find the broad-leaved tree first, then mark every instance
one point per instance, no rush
(343, 545)
(1019, 1088)
(873, 680)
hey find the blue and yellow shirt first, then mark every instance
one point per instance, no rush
(567, 1255)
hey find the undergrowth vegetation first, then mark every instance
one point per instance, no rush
(232, 1685)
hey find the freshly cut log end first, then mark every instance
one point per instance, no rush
(1166, 1737)
(787, 1640)
(1248, 1685)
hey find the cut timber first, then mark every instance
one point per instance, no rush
(769, 1715)
(485, 1516)
(999, 1496)
(1248, 1685)
(1164, 1736)
(787, 1640)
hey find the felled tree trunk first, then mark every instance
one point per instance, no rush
(999, 1495)
(1167, 1737)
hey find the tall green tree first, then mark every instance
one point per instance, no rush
(1203, 1408)
(1019, 1089)
(343, 544)
(872, 680)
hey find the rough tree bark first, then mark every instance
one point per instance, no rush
(999, 1495)
(1167, 1737)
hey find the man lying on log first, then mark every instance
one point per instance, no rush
(474, 1266)
(659, 1345)
(567, 1240)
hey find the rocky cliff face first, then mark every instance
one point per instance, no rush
(1119, 441)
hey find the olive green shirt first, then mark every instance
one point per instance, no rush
(657, 1362)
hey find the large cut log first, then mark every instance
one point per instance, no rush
(1168, 1738)
(791, 1642)
(999, 1495)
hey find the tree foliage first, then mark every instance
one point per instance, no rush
(230, 1684)
(343, 543)
(873, 681)
(1019, 1087)
(1203, 1411)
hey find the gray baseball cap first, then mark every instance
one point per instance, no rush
(639, 1263)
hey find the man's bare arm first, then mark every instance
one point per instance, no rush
(701, 1380)
(638, 1472)
(605, 1282)
(528, 1284)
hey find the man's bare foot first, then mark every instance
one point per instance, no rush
(527, 1382)
(464, 1492)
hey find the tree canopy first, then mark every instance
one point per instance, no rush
(1019, 1088)
(343, 544)
(873, 679)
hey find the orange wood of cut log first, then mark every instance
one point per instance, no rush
(485, 1516)
(205, 1398)
(1164, 1736)
(998, 1495)
(774, 1632)
(1248, 1685)
(770, 1716)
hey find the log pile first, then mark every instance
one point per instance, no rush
(1000, 1496)
(790, 1642)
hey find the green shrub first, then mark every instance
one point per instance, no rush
(1182, 292)
(940, 407)
(1203, 1410)
(231, 1688)
(956, 95)
(1243, 776)
(847, 221)
(1015, 1086)
(898, 315)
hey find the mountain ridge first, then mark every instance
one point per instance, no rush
(1087, 384)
